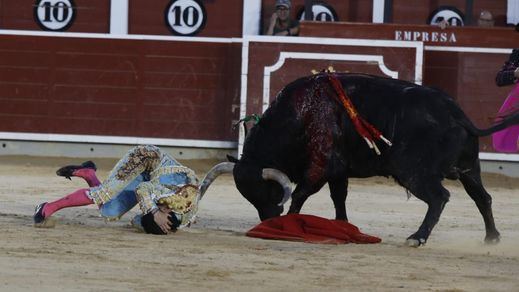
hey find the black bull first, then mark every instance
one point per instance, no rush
(307, 137)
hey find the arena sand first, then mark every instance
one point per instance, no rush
(84, 253)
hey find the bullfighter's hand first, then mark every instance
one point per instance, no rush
(162, 220)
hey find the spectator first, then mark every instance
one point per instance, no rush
(443, 24)
(485, 19)
(280, 22)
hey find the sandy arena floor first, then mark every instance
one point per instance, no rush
(84, 253)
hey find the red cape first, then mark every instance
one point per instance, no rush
(312, 229)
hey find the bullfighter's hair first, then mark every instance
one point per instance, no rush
(151, 227)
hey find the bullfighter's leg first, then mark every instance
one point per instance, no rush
(45, 210)
(131, 170)
(119, 205)
(128, 173)
(432, 192)
(89, 175)
(303, 190)
(471, 181)
(86, 171)
(339, 192)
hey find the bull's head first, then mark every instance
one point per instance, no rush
(267, 189)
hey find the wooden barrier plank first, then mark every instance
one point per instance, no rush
(127, 82)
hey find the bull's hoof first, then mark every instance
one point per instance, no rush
(413, 242)
(494, 239)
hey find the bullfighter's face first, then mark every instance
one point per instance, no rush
(263, 194)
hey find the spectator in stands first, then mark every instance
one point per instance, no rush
(443, 24)
(280, 22)
(485, 19)
(508, 140)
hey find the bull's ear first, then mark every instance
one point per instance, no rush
(232, 158)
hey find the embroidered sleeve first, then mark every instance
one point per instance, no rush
(506, 75)
(145, 197)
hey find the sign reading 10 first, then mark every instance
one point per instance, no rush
(56, 15)
(185, 17)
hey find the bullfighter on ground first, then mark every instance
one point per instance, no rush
(167, 192)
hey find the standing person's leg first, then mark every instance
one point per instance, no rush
(507, 140)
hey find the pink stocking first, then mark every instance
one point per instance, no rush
(77, 198)
(89, 175)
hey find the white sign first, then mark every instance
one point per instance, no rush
(185, 17)
(321, 12)
(446, 13)
(56, 15)
(424, 36)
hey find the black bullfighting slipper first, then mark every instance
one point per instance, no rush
(68, 171)
(39, 220)
(38, 214)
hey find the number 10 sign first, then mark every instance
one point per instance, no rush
(185, 17)
(56, 15)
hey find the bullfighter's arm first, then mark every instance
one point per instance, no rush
(145, 197)
(150, 194)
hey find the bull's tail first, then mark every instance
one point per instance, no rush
(503, 123)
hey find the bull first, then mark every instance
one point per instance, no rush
(307, 137)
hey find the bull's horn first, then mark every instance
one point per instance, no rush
(282, 179)
(221, 168)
